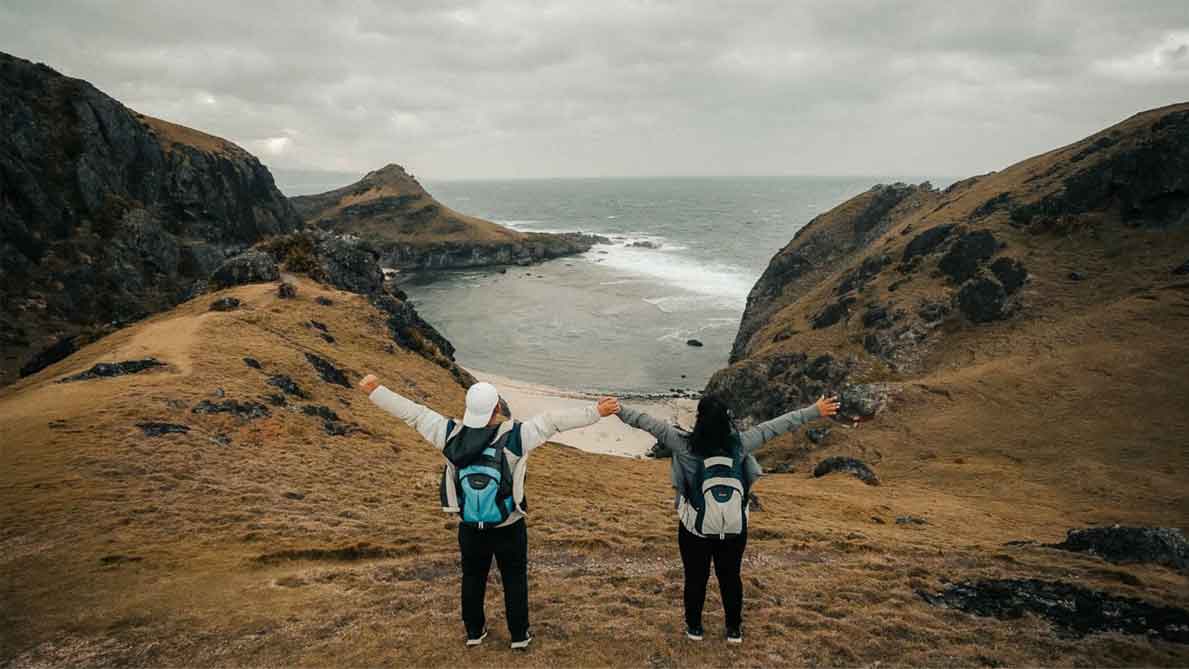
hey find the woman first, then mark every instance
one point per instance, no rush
(713, 471)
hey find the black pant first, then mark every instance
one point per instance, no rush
(727, 554)
(509, 545)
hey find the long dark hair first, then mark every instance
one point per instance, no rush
(713, 428)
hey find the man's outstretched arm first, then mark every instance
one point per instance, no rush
(538, 429)
(429, 424)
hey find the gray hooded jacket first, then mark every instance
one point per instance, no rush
(685, 464)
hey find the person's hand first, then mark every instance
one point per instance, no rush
(607, 406)
(369, 383)
(827, 406)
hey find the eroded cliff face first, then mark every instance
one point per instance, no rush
(107, 215)
(906, 283)
(390, 209)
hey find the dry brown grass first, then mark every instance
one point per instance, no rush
(172, 134)
(824, 583)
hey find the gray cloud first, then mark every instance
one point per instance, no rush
(521, 88)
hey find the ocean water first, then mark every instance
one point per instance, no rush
(617, 318)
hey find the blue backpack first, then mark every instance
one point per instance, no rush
(478, 474)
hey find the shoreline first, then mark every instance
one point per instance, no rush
(609, 436)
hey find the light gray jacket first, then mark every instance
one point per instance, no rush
(535, 431)
(685, 464)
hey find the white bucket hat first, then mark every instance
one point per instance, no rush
(481, 400)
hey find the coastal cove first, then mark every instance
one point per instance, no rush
(684, 253)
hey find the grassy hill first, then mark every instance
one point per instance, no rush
(266, 540)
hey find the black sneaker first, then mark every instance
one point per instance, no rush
(475, 641)
(734, 635)
(694, 633)
(523, 643)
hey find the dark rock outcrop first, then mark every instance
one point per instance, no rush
(327, 371)
(252, 362)
(244, 410)
(249, 267)
(927, 241)
(693, 342)
(288, 386)
(1011, 274)
(983, 300)
(155, 429)
(763, 388)
(1157, 545)
(286, 290)
(1075, 610)
(107, 215)
(852, 466)
(61, 349)
(225, 304)
(109, 369)
(967, 254)
(412, 333)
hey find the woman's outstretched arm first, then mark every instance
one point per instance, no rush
(756, 436)
(665, 433)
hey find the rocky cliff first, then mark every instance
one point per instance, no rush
(1075, 257)
(107, 215)
(412, 230)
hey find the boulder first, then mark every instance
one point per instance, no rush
(852, 466)
(225, 304)
(286, 290)
(351, 264)
(967, 254)
(832, 313)
(1011, 273)
(320, 411)
(1158, 545)
(324, 301)
(249, 267)
(1077, 276)
(877, 316)
(862, 401)
(817, 435)
(109, 369)
(252, 362)
(693, 342)
(983, 300)
(931, 312)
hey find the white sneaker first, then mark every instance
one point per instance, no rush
(523, 644)
(477, 640)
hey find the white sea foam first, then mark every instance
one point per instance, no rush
(730, 284)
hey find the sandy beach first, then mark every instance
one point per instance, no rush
(609, 436)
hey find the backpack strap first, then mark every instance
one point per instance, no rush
(448, 489)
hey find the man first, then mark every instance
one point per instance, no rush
(484, 483)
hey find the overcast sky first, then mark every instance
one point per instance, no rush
(608, 88)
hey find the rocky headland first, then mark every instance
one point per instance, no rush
(412, 231)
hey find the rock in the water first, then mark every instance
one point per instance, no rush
(328, 371)
(155, 429)
(225, 304)
(286, 290)
(971, 250)
(1011, 273)
(983, 300)
(644, 244)
(252, 362)
(1076, 610)
(246, 410)
(927, 241)
(693, 342)
(1159, 545)
(109, 369)
(249, 267)
(1181, 269)
(288, 385)
(857, 468)
(817, 434)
